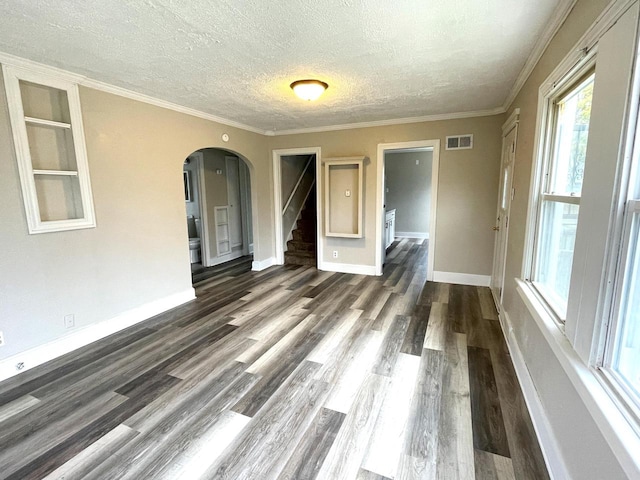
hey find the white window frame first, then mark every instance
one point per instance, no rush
(543, 165)
(627, 207)
(12, 77)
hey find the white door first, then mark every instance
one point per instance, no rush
(501, 227)
(233, 197)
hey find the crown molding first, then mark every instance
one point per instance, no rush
(8, 59)
(394, 121)
(557, 20)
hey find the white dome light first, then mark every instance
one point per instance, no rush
(309, 89)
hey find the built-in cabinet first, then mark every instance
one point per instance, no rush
(47, 129)
(389, 227)
(343, 196)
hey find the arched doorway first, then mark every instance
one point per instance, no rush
(219, 212)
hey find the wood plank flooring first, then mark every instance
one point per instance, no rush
(289, 373)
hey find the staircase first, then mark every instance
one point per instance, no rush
(302, 249)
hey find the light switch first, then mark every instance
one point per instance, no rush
(347, 193)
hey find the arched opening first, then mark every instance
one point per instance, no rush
(219, 212)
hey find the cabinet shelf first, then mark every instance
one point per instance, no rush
(47, 123)
(69, 173)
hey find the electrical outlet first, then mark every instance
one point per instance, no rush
(1, 339)
(335, 254)
(69, 321)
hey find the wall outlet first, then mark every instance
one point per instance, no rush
(69, 320)
(347, 193)
(335, 254)
(1, 339)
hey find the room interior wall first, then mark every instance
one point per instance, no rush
(408, 189)
(581, 443)
(134, 256)
(467, 195)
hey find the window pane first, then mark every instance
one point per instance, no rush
(627, 353)
(573, 112)
(556, 241)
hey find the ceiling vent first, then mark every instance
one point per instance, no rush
(460, 142)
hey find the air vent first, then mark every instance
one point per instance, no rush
(460, 142)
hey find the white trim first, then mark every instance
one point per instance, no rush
(277, 198)
(544, 39)
(394, 121)
(616, 430)
(348, 268)
(259, 265)
(511, 122)
(91, 333)
(462, 278)
(380, 212)
(547, 440)
(412, 235)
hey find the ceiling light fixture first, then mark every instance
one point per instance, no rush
(309, 89)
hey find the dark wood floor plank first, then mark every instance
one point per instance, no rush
(489, 432)
(414, 338)
(528, 461)
(310, 453)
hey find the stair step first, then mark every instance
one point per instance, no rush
(300, 258)
(300, 246)
(303, 236)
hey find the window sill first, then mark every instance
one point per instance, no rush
(589, 384)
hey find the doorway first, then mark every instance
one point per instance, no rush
(407, 179)
(297, 206)
(219, 211)
(505, 196)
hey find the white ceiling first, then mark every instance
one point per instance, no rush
(382, 59)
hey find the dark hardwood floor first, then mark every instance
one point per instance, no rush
(287, 373)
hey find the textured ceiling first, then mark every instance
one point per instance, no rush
(383, 59)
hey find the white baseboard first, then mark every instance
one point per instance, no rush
(259, 265)
(213, 261)
(462, 278)
(347, 268)
(91, 333)
(412, 235)
(548, 443)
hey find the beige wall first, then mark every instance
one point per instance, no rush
(581, 443)
(467, 190)
(135, 255)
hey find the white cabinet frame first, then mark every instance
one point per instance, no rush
(12, 77)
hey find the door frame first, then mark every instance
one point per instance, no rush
(277, 199)
(380, 213)
(205, 250)
(508, 126)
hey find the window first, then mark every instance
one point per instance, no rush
(622, 358)
(52, 160)
(569, 112)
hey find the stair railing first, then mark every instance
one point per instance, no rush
(289, 220)
(297, 185)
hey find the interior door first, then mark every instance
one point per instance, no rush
(501, 227)
(233, 195)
